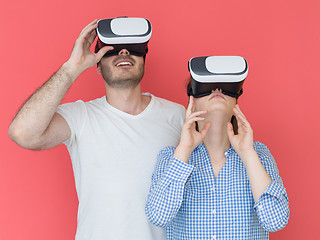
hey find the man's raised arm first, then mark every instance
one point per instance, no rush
(37, 125)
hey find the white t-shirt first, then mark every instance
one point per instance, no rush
(113, 156)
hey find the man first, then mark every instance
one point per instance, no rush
(113, 141)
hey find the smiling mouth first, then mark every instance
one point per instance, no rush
(124, 64)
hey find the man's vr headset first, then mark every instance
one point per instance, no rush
(217, 72)
(132, 34)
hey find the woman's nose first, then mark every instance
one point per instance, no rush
(217, 89)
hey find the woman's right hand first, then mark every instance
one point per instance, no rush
(190, 137)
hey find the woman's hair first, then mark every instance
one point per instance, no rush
(233, 121)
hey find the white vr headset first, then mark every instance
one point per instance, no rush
(132, 34)
(217, 72)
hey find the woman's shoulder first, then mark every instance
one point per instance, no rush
(263, 152)
(260, 146)
(261, 149)
(168, 150)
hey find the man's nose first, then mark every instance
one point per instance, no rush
(124, 52)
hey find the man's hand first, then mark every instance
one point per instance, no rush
(81, 56)
(37, 125)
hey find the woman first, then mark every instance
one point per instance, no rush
(215, 184)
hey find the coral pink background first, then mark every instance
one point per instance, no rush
(280, 40)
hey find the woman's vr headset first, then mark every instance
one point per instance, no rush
(132, 34)
(217, 72)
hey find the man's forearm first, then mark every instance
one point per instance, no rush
(36, 126)
(36, 113)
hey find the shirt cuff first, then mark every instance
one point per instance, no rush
(178, 170)
(273, 189)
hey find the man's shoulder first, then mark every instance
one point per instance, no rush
(169, 104)
(82, 103)
(79, 108)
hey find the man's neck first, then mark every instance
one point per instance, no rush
(128, 100)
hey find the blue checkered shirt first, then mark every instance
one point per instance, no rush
(188, 200)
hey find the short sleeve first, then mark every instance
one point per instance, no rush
(75, 115)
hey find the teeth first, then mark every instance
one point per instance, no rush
(124, 63)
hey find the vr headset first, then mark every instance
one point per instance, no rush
(132, 34)
(217, 72)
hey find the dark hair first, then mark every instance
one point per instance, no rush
(234, 123)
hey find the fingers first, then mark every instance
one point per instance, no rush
(196, 114)
(88, 29)
(239, 111)
(191, 121)
(190, 106)
(92, 37)
(88, 33)
(243, 123)
(242, 120)
(194, 117)
(102, 52)
(193, 105)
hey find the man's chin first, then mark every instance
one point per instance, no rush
(123, 83)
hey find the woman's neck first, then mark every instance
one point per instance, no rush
(216, 140)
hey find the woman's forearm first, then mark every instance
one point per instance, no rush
(258, 177)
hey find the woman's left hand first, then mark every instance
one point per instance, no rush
(243, 142)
